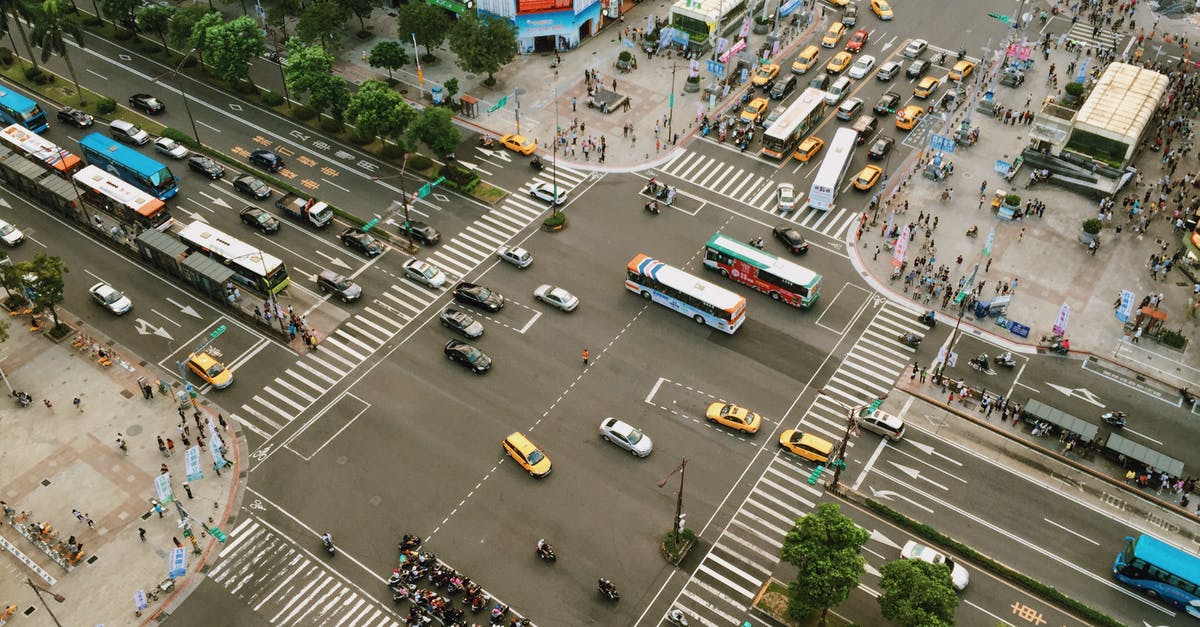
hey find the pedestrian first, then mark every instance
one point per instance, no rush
(170, 446)
(221, 421)
(199, 426)
(158, 508)
(186, 441)
(876, 253)
(988, 266)
(48, 404)
(915, 369)
(162, 470)
(924, 371)
(572, 103)
(181, 415)
(78, 403)
(1137, 335)
(142, 534)
(187, 487)
(78, 514)
(586, 355)
(1021, 235)
(121, 444)
(178, 544)
(88, 519)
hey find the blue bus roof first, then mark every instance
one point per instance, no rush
(135, 160)
(15, 99)
(1180, 563)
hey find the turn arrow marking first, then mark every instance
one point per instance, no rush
(916, 474)
(928, 450)
(879, 537)
(148, 328)
(1080, 393)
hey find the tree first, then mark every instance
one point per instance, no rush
(428, 23)
(483, 45)
(120, 12)
(322, 22)
(917, 594)
(199, 37)
(360, 9)
(310, 71)
(155, 19)
(45, 282)
(279, 11)
(435, 126)
(49, 27)
(183, 23)
(231, 45)
(377, 111)
(824, 546)
(389, 55)
(20, 12)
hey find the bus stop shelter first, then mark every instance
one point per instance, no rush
(1036, 410)
(1137, 452)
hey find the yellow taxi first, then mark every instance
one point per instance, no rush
(805, 60)
(881, 9)
(868, 177)
(733, 416)
(808, 148)
(808, 446)
(527, 455)
(961, 70)
(755, 110)
(764, 74)
(926, 87)
(839, 3)
(908, 117)
(519, 144)
(833, 35)
(839, 62)
(211, 371)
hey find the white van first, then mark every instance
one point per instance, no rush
(837, 91)
(884, 424)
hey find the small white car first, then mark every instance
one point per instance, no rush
(862, 66)
(109, 298)
(546, 192)
(10, 235)
(556, 296)
(626, 436)
(515, 255)
(914, 551)
(171, 148)
(785, 197)
(424, 273)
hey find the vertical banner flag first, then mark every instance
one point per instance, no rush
(178, 559)
(901, 247)
(1125, 309)
(191, 463)
(1060, 323)
(162, 485)
(987, 243)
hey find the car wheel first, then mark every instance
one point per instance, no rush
(323, 289)
(532, 475)
(775, 295)
(634, 453)
(539, 298)
(346, 300)
(605, 438)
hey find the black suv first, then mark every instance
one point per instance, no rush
(421, 232)
(782, 88)
(362, 242)
(206, 166)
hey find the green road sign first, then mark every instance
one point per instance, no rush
(499, 104)
(1003, 18)
(367, 227)
(424, 191)
(216, 332)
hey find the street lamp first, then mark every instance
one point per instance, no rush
(517, 96)
(410, 246)
(554, 150)
(183, 92)
(38, 590)
(839, 456)
(677, 527)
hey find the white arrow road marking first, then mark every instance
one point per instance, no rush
(147, 328)
(220, 202)
(4, 203)
(878, 536)
(928, 450)
(334, 260)
(187, 309)
(888, 494)
(1081, 393)
(916, 474)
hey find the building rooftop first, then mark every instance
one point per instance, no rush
(1122, 102)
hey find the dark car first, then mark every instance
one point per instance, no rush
(362, 242)
(460, 321)
(881, 147)
(865, 126)
(820, 81)
(252, 186)
(782, 88)
(147, 104)
(75, 117)
(887, 103)
(792, 238)
(259, 219)
(917, 68)
(206, 166)
(267, 160)
(468, 355)
(421, 232)
(478, 296)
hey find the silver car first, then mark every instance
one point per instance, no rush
(915, 48)
(626, 436)
(515, 255)
(109, 298)
(424, 273)
(171, 148)
(10, 235)
(556, 296)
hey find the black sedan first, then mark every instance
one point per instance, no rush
(75, 117)
(468, 355)
(792, 238)
(252, 186)
(881, 147)
(147, 104)
(259, 219)
(206, 166)
(266, 160)
(887, 103)
(478, 296)
(421, 232)
(362, 242)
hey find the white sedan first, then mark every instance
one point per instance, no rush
(547, 192)
(10, 235)
(171, 148)
(862, 66)
(109, 298)
(515, 255)
(626, 436)
(785, 197)
(556, 296)
(424, 272)
(914, 551)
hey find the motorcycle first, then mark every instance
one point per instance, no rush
(23, 398)
(973, 231)
(498, 613)
(912, 340)
(402, 593)
(929, 319)
(676, 617)
(756, 242)
(456, 584)
(663, 192)
(476, 601)
(1114, 418)
(327, 540)
(486, 141)
(410, 542)
(962, 53)
(1006, 360)
(652, 207)
(609, 590)
(537, 164)
(546, 552)
(980, 363)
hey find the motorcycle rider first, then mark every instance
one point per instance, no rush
(982, 360)
(1006, 358)
(652, 206)
(327, 539)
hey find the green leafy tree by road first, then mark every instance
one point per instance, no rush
(309, 72)
(376, 110)
(199, 37)
(19, 12)
(360, 9)
(824, 546)
(389, 55)
(428, 23)
(435, 126)
(230, 46)
(917, 594)
(50, 28)
(279, 11)
(46, 281)
(120, 12)
(322, 22)
(155, 19)
(183, 22)
(483, 44)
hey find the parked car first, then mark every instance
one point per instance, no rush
(147, 104)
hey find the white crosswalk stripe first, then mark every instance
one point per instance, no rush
(1083, 32)
(747, 551)
(341, 350)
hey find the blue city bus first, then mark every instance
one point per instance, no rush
(17, 109)
(130, 165)
(1160, 570)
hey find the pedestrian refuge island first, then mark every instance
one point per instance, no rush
(1118, 445)
(1036, 411)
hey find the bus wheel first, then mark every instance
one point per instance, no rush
(645, 294)
(775, 295)
(723, 272)
(699, 319)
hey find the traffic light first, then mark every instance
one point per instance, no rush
(816, 474)
(217, 533)
(1003, 18)
(679, 523)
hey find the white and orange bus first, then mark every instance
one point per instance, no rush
(130, 205)
(38, 149)
(691, 296)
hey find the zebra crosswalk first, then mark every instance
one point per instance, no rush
(1086, 34)
(741, 560)
(297, 387)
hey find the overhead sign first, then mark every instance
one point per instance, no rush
(499, 103)
(941, 143)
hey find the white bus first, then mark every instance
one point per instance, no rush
(40, 150)
(800, 118)
(837, 160)
(251, 266)
(691, 296)
(121, 200)
(706, 20)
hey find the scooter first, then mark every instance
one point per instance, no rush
(757, 242)
(973, 231)
(980, 363)
(536, 164)
(1114, 418)
(962, 53)
(676, 617)
(911, 340)
(410, 542)
(546, 552)
(1062, 348)
(929, 319)
(327, 540)
(652, 207)
(486, 141)
(1005, 360)
(609, 590)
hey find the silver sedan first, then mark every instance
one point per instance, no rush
(626, 436)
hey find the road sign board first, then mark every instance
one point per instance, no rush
(216, 332)
(716, 68)
(499, 104)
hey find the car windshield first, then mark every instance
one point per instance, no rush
(535, 456)
(429, 272)
(344, 284)
(560, 294)
(483, 293)
(215, 370)
(256, 184)
(263, 218)
(634, 436)
(110, 296)
(458, 318)
(471, 353)
(5, 229)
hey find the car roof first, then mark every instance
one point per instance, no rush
(202, 359)
(520, 442)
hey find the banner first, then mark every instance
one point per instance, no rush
(1060, 324)
(191, 464)
(162, 485)
(178, 561)
(1126, 307)
(901, 247)
(987, 243)
(215, 444)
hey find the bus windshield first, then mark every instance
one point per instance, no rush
(781, 279)
(17, 109)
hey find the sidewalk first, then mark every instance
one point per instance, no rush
(61, 459)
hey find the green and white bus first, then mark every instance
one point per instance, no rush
(781, 279)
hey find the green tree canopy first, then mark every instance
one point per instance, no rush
(199, 37)
(20, 12)
(230, 46)
(50, 28)
(183, 22)
(278, 12)
(824, 546)
(435, 126)
(917, 594)
(376, 110)
(427, 22)
(155, 19)
(45, 281)
(322, 22)
(360, 9)
(483, 44)
(310, 72)
(120, 11)
(389, 55)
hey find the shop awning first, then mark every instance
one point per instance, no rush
(1156, 314)
(449, 5)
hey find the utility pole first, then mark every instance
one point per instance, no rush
(677, 527)
(671, 104)
(839, 456)
(38, 590)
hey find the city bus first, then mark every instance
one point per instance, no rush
(706, 19)
(132, 166)
(1160, 570)
(837, 160)
(781, 279)
(252, 267)
(40, 150)
(130, 205)
(691, 296)
(17, 109)
(800, 118)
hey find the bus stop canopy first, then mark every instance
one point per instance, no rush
(1061, 419)
(1135, 451)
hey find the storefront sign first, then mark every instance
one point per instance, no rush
(789, 6)
(449, 5)
(543, 6)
